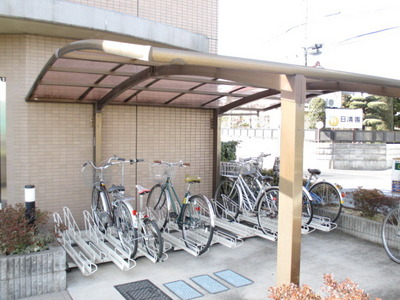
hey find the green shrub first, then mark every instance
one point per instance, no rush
(334, 290)
(18, 235)
(228, 150)
(372, 201)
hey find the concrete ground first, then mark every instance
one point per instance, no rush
(344, 256)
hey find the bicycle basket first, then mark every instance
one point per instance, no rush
(231, 169)
(160, 172)
(90, 175)
(249, 168)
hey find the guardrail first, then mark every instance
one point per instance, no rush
(325, 135)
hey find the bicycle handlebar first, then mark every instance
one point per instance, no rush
(178, 163)
(255, 158)
(119, 160)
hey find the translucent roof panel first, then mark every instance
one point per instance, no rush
(105, 72)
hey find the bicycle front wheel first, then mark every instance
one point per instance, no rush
(267, 209)
(101, 210)
(391, 234)
(198, 224)
(127, 232)
(152, 239)
(227, 200)
(157, 205)
(326, 200)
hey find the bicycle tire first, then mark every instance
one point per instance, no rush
(268, 207)
(126, 229)
(101, 211)
(157, 202)
(326, 200)
(197, 224)
(152, 239)
(307, 209)
(228, 198)
(391, 234)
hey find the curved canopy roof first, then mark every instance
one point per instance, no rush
(106, 72)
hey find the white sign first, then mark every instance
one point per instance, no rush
(343, 118)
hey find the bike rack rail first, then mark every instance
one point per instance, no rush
(322, 223)
(90, 247)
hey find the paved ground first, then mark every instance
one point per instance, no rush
(333, 252)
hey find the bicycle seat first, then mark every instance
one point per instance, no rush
(267, 178)
(116, 188)
(142, 190)
(192, 179)
(314, 171)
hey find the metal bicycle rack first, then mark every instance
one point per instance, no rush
(322, 223)
(90, 247)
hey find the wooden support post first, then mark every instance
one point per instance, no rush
(290, 180)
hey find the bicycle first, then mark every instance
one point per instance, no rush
(193, 215)
(325, 197)
(391, 234)
(234, 196)
(113, 208)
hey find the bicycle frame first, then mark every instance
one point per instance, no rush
(173, 199)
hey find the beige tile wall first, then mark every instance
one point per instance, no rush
(155, 133)
(198, 16)
(47, 143)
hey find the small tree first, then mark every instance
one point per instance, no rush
(228, 150)
(316, 112)
(19, 235)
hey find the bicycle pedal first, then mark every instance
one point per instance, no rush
(173, 215)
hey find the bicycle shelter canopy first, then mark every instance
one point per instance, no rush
(105, 72)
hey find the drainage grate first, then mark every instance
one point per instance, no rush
(141, 290)
(209, 284)
(183, 290)
(233, 278)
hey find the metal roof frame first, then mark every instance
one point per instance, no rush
(107, 72)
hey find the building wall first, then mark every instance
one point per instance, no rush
(48, 143)
(198, 16)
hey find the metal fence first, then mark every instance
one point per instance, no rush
(337, 136)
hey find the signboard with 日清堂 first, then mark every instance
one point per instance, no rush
(342, 118)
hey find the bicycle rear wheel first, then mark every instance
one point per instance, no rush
(127, 232)
(198, 224)
(267, 209)
(157, 205)
(391, 234)
(327, 201)
(227, 200)
(152, 239)
(101, 210)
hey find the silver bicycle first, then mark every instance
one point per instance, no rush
(243, 193)
(111, 207)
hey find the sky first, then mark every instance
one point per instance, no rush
(358, 36)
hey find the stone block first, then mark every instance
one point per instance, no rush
(33, 274)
